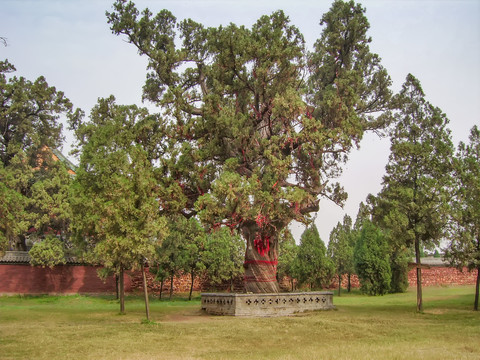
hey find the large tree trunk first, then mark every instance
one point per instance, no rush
(261, 259)
(122, 292)
(419, 276)
(145, 293)
(477, 286)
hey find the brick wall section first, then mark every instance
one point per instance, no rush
(73, 279)
(62, 279)
(181, 284)
(435, 276)
(354, 282)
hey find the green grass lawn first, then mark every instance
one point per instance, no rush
(362, 327)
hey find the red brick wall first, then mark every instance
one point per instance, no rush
(354, 282)
(62, 279)
(68, 279)
(181, 284)
(436, 275)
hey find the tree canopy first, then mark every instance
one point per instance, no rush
(257, 125)
(33, 186)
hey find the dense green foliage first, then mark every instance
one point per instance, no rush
(15, 219)
(287, 253)
(312, 266)
(464, 249)
(182, 250)
(33, 188)
(49, 252)
(400, 254)
(372, 260)
(223, 256)
(340, 249)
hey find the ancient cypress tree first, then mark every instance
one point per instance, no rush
(258, 126)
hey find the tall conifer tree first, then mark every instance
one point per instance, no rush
(464, 248)
(413, 202)
(116, 198)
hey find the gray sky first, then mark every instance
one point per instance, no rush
(438, 41)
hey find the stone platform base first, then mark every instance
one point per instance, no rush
(281, 304)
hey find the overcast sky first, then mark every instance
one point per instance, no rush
(438, 41)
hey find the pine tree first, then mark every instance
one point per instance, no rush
(116, 197)
(412, 204)
(340, 249)
(372, 260)
(464, 248)
(312, 266)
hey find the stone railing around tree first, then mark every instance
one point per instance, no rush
(280, 304)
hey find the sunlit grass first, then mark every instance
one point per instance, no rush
(362, 327)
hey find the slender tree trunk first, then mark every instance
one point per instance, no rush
(477, 286)
(231, 284)
(293, 284)
(116, 287)
(161, 289)
(419, 276)
(122, 292)
(145, 293)
(349, 286)
(171, 286)
(192, 275)
(339, 284)
(260, 269)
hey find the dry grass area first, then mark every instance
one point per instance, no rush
(362, 327)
